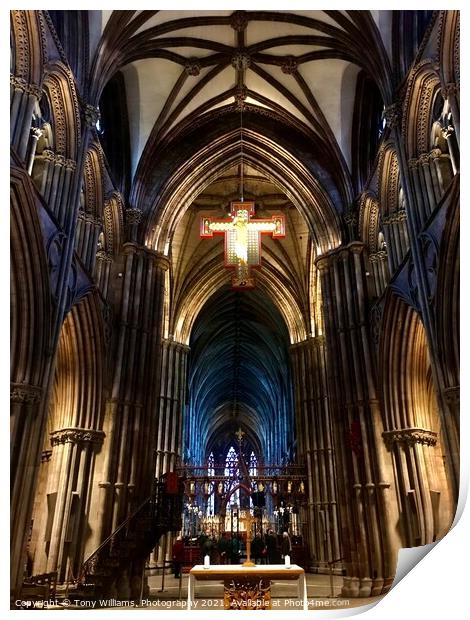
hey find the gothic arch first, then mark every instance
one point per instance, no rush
(449, 47)
(29, 48)
(113, 223)
(30, 286)
(72, 440)
(93, 182)
(79, 371)
(369, 221)
(283, 170)
(207, 283)
(413, 427)
(59, 89)
(389, 179)
(423, 86)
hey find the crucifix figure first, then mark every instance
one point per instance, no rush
(248, 520)
(243, 239)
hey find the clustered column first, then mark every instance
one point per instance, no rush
(131, 411)
(363, 493)
(315, 447)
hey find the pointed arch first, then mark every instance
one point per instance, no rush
(60, 92)
(423, 87)
(413, 426)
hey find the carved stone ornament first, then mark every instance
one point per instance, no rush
(376, 257)
(77, 435)
(410, 436)
(241, 60)
(91, 114)
(25, 393)
(392, 115)
(192, 67)
(240, 96)
(133, 216)
(102, 255)
(239, 21)
(289, 66)
(395, 217)
(19, 83)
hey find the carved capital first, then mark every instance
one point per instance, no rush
(192, 67)
(49, 155)
(410, 436)
(21, 84)
(133, 216)
(376, 257)
(25, 393)
(392, 115)
(424, 159)
(239, 21)
(435, 153)
(241, 60)
(289, 66)
(103, 256)
(413, 163)
(77, 435)
(70, 164)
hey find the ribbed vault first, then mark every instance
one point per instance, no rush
(239, 375)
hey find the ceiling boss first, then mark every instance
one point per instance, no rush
(242, 250)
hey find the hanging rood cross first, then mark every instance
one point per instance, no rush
(243, 239)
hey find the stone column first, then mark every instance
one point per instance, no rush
(362, 461)
(26, 405)
(23, 98)
(170, 405)
(138, 278)
(102, 271)
(70, 464)
(315, 448)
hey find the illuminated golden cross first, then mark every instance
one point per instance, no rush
(239, 435)
(242, 239)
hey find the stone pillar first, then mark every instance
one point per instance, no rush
(23, 98)
(363, 464)
(102, 271)
(137, 288)
(26, 405)
(170, 405)
(70, 464)
(86, 239)
(316, 448)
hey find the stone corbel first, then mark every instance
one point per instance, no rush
(77, 435)
(410, 436)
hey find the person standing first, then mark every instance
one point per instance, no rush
(271, 546)
(178, 556)
(286, 546)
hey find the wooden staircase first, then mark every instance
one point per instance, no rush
(127, 548)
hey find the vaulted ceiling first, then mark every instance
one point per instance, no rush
(209, 96)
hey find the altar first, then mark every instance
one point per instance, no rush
(248, 587)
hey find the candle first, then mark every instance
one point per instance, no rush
(207, 561)
(287, 561)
